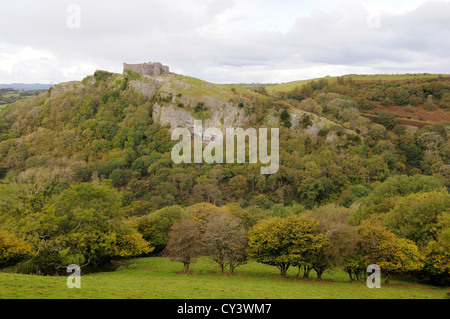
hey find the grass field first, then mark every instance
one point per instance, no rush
(158, 278)
(289, 86)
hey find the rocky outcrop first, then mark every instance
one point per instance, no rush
(148, 88)
(175, 99)
(60, 88)
(227, 116)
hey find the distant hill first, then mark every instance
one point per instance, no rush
(288, 86)
(337, 138)
(25, 86)
(416, 99)
(8, 96)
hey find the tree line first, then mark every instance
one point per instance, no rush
(86, 177)
(44, 230)
(317, 240)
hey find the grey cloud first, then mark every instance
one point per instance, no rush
(345, 37)
(189, 37)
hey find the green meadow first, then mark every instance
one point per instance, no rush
(159, 278)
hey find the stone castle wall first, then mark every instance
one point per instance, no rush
(151, 68)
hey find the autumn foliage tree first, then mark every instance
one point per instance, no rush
(12, 249)
(393, 254)
(283, 242)
(437, 253)
(415, 217)
(342, 243)
(185, 242)
(83, 225)
(226, 241)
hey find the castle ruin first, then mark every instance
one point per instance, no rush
(150, 68)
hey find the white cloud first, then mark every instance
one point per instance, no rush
(26, 64)
(224, 41)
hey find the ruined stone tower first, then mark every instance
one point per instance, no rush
(151, 68)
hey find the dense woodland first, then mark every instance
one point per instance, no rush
(87, 178)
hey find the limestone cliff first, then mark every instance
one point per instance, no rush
(178, 100)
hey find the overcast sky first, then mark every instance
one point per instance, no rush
(223, 41)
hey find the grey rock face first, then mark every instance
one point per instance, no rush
(175, 98)
(148, 88)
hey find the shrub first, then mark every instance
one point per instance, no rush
(387, 119)
(429, 104)
(285, 119)
(101, 75)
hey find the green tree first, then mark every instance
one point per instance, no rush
(238, 185)
(201, 212)
(249, 216)
(437, 253)
(119, 177)
(429, 104)
(141, 165)
(82, 225)
(415, 217)
(386, 195)
(444, 103)
(387, 119)
(84, 212)
(342, 244)
(12, 249)
(285, 119)
(342, 240)
(393, 254)
(402, 98)
(129, 242)
(283, 242)
(155, 227)
(302, 92)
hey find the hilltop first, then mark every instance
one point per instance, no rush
(416, 99)
(86, 174)
(289, 86)
(116, 126)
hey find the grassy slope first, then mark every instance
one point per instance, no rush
(197, 88)
(285, 87)
(158, 278)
